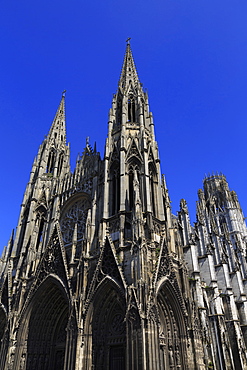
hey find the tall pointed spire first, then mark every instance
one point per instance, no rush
(129, 72)
(58, 129)
(51, 165)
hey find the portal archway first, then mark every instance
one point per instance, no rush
(43, 334)
(172, 329)
(107, 328)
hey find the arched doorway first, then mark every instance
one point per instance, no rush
(45, 333)
(106, 322)
(172, 332)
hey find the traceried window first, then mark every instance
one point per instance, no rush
(74, 213)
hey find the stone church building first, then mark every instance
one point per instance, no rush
(101, 275)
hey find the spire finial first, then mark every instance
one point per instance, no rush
(58, 127)
(129, 73)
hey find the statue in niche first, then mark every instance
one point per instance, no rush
(242, 351)
(12, 356)
(170, 355)
(177, 356)
(22, 361)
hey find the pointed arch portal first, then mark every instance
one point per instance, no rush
(44, 328)
(172, 329)
(107, 328)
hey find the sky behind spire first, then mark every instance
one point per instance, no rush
(190, 55)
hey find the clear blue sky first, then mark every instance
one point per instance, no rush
(190, 55)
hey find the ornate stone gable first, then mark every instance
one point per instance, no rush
(133, 152)
(42, 204)
(150, 155)
(53, 263)
(114, 157)
(164, 266)
(132, 311)
(165, 269)
(107, 266)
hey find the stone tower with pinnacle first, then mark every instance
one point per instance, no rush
(101, 275)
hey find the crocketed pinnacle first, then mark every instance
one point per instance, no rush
(58, 127)
(129, 72)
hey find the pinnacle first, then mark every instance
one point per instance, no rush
(58, 129)
(129, 72)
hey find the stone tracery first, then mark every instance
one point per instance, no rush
(76, 214)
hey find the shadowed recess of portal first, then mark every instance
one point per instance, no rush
(47, 330)
(109, 331)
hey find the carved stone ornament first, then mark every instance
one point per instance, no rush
(85, 186)
(76, 214)
(114, 225)
(52, 261)
(183, 206)
(153, 315)
(165, 265)
(117, 324)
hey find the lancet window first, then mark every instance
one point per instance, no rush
(60, 164)
(131, 189)
(119, 111)
(24, 224)
(115, 190)
(131, 109)
(51, 162)
(40, 232)
(133, 171)
(153, 182)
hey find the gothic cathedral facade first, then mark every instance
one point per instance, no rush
(101, 275)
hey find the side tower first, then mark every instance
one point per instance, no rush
(133, 192)
(37, 212)
(132, 169)
(44, 275)
(37, 216)
(136, 311)
(215, 250)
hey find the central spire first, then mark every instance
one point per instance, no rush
(129, 72)
(132, 171)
